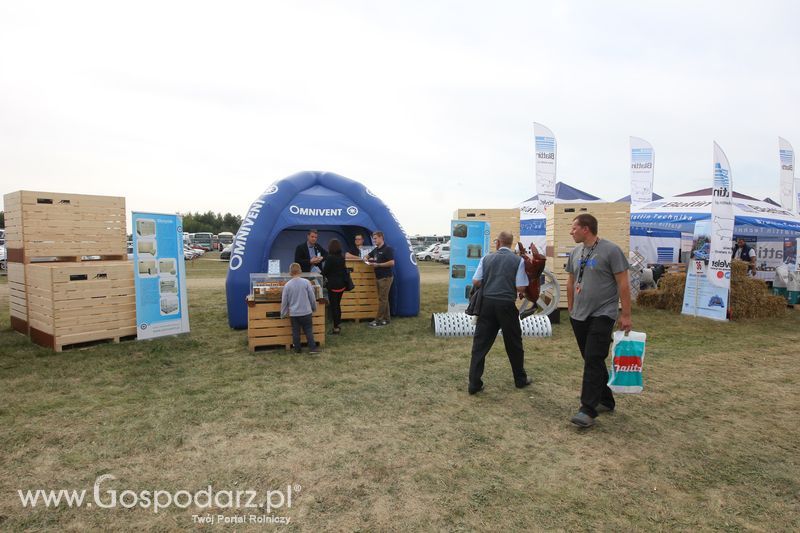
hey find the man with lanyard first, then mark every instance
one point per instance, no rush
(744, 253)
(501, 277)
(309, 254)
(382, 259)
(596, 284)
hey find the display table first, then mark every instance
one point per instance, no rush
(265, 327)
(362, 302)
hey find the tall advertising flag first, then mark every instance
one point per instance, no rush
(719, 261)
(545, 165)
(786, 154)
(642, 166)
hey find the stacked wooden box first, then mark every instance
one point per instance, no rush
(265, 327)
(69, 281)
(498, 219)
(614, 224)
(362, 302)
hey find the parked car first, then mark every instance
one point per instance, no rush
(190, 253)
(3, 257)
(430, 253)
(130, 250)
(444, 254)
(225, 254)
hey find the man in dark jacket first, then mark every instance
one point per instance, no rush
(309, 254)
(502, 278)
(744, 253)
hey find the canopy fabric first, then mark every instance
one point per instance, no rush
(752, 217)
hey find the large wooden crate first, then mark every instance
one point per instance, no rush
(362, 302)
(17, 299)
(614, 224)
(64, 226)
(265, 327)
(498, 219)
(72, 303)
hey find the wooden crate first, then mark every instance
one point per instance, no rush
(17, 299)
(72, 303)
(362, 302)
(265, 327)
(66, 226)
(614, 224)
(498, 219)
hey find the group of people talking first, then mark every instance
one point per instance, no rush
(331, 263)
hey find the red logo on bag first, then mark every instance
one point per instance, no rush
(627, 363)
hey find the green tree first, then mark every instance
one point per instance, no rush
(2, 219)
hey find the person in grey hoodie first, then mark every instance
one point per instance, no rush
(299, 303)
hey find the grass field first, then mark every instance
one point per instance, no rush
(380, 434)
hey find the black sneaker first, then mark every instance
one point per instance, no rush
(383, 323)
(374, 324)
(315, 351)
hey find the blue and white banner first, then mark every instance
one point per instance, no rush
(787, 183)
(722, 217)
(642, 168)
(159, 275)
(545, 165)
(469, 241)
(700, 297)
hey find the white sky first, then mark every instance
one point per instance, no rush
(196, 106)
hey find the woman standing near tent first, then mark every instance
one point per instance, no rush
(335, 272)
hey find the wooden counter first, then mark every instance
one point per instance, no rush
(362, 302)
(265, 327)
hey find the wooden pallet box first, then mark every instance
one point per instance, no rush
(57, 225)
(17, 298)
(498, 219)
(362, 302)
(614, 224)
(72, 303)
(265, 327)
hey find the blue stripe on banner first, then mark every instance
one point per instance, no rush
(665, 254)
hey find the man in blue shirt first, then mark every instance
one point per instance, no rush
(501, 277)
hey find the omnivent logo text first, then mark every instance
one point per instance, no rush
(322, 211)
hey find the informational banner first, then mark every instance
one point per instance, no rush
(722, 220)
(700, 297)
(545, 165)
(642, 167)
(159, 275)
(786, 154)
(469, 241)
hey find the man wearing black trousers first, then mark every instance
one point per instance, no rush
(501, 277)
(597, 283)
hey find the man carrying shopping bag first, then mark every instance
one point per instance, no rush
(597, 282)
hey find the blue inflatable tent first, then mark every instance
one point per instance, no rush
(334, 205)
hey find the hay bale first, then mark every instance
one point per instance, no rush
(651, 298)
(739, 269)
(750, 297)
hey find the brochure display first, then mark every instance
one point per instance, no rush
(159, 275)
(700, 297)
(469, 241)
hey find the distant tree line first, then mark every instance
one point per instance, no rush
(211, 222)
(2, 219)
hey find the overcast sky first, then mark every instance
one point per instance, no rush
(196, 106)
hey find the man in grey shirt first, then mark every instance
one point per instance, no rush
(597, 283)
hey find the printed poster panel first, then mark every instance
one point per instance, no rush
(469, 241)
(700, 296)
(159, 275)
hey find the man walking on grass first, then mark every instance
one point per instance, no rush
(501, 277)
(597, 283)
